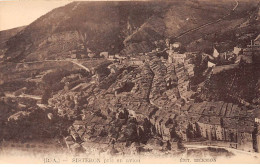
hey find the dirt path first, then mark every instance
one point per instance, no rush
(72, 61)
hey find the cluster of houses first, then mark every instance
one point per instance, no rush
(184, 72)
(81, 53)
(88, 132)
(235, 56)
(217, 123)
(90, 128)
(226, 123)
(122, 59)
(209, 123)
(213, 123)
(159, 85)
(138, 101)
(222, 124)
(68, 104)
(184, 69)
(170, 78)
(143, 83)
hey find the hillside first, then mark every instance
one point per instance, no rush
(129, 27)
(7, 34)
(98, 26)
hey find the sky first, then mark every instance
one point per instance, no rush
(16, 13)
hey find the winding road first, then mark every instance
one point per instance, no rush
(235, 5)
(72, 61)
(24, 95)
(80, 65)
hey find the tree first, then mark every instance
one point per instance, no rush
(180, 145)
(189, 132)
(46, 95)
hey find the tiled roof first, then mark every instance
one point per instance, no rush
(246, 126)
(186, 107)
(229, 109)
(79, 122)
(215, 120)
(256, 113)
(204, 119)
(230, 123)
(223, 110)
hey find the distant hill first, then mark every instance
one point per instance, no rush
(238, 29)
(6, 34)
(126, 27)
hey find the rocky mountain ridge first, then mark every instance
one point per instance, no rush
(126, 27)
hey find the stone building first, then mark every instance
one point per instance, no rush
(222, 124)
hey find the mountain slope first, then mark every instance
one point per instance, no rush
(5, 35)
(129, 27)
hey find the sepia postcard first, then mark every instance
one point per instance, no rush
(130, 82)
